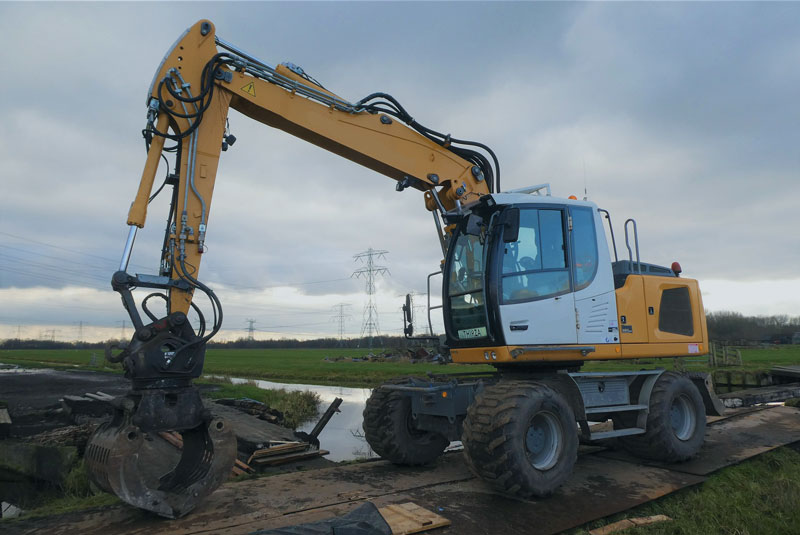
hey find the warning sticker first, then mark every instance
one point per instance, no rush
(694, 348)
(250, 89)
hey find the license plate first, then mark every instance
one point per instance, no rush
(478, 332)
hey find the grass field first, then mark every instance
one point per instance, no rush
(299, 366)
(307, 366)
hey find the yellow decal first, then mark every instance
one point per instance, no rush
(250, 89)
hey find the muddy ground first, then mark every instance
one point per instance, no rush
(34, 396)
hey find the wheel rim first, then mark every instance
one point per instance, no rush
(682, 417)
(543, 440)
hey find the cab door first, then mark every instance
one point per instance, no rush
(537, 305)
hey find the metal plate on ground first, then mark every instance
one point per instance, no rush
(598, 488)
(601, 485)
(732, 440)
(242, 507)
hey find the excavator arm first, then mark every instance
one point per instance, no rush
(199, 80)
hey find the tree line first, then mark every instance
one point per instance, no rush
(738, 328)
(241, 343)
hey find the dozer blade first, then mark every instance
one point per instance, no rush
(132, 464)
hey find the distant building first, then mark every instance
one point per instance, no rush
(796, 338)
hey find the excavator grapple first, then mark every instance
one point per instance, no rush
(122, 459)
(126, 456)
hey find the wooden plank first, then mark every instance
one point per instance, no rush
(241, 465)
(628, 523)
(646, 520)
(274, 460)
(286, 447)
(405, 518)
(99, 396)
(173, 438)
(754, 396)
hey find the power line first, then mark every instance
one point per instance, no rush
(285, 284)
(59, 258)
(269, 328)
(51, 278)
(52, 268)
(73, 251)
(370, 271)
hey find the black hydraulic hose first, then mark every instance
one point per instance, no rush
(438, 137)
(216, 305)
(154, 195)
(172, 213)
(147, 310)
(416, 126)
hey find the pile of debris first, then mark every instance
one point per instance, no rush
(46, 457)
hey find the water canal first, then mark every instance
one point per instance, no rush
(343, 436)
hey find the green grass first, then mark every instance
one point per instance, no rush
(763, 359)
(307, 366)
(303, 366)
(756, 497)
(74, 494)
(297, 407)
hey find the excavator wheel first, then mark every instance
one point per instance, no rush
(676, 422)
(521, 438)
(390, 431)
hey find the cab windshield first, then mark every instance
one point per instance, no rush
(465, 281)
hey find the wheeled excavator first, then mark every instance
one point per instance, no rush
(529, 287)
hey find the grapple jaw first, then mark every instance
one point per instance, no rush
(135, 464)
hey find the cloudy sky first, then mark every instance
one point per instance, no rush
(682, 116)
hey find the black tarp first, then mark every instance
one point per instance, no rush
(363, 520)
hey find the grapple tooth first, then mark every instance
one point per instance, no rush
(146, 472)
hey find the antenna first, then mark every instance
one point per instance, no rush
(585, 194)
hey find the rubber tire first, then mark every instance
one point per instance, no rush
(495, 432)
(659, 442)
(390, 433)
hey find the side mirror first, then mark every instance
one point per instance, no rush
(474, 225)
(408, 324)
(510, 222)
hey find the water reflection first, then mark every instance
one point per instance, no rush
(343, 436)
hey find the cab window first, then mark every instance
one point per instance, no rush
(535, 266)
(584, 244)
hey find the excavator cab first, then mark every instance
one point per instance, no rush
(530, 279)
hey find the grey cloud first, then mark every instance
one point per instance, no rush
(682, 115)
